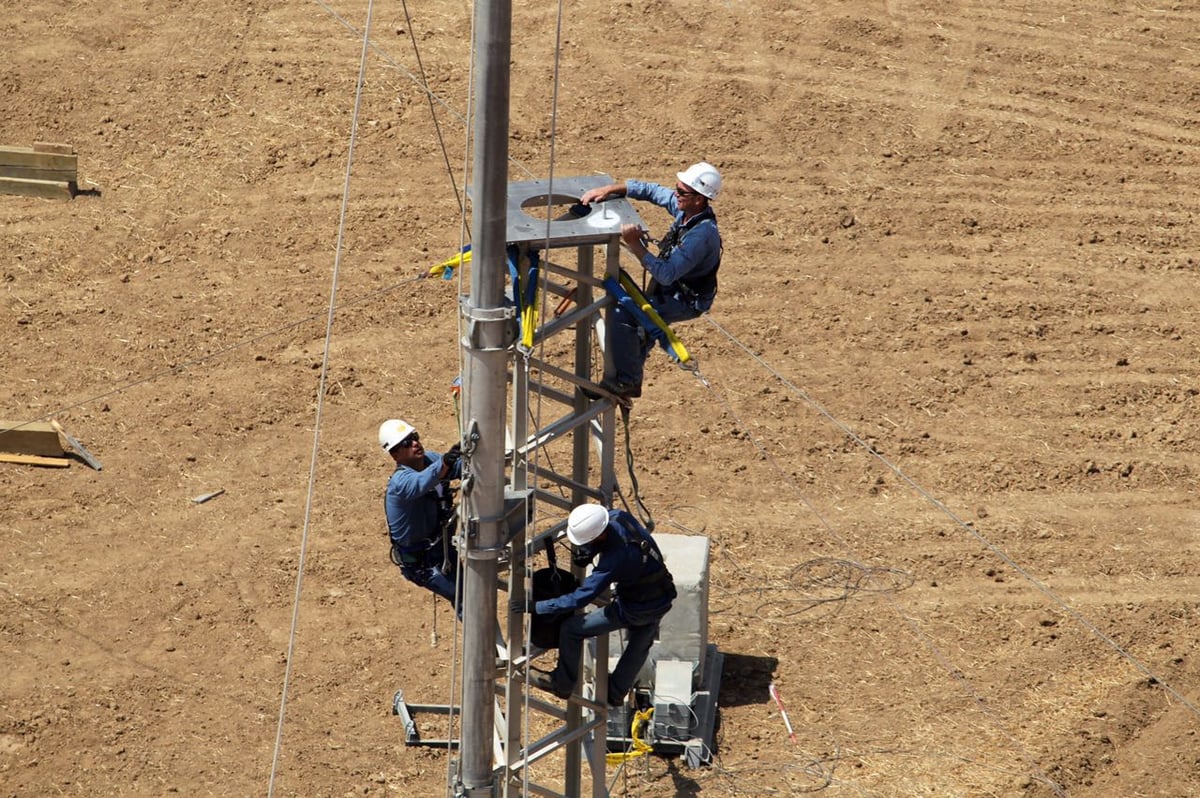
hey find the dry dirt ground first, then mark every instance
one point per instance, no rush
(946, 453)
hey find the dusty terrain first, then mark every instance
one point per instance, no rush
(946, 452)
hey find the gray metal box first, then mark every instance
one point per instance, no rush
(683, 634)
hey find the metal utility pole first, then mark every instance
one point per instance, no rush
(488, 336)
(489, 737)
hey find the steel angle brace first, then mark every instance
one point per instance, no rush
(555, 500)
(544, 707)
(550, 534)
(412, 735)
(554, 741)
(553, 394)
(573, 274)
(479, 320)
(528, 787)
(545, 391)
(563, 482)
(562, 374)
(560, 289)
(568, 319)
(556, 430)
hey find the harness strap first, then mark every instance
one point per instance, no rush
(652, 585)
(630, 298)
(524, 292)
(691, 287)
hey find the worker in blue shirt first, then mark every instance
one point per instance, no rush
(644, 590)
(684, 272)
(419, 506)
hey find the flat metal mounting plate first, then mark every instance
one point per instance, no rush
(598, 225)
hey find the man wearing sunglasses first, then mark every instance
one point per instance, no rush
(684, 273)
(419, 505)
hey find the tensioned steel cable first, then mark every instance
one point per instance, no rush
(1037, 772)
(424, 83)
(955, 672)
(416, 80)
(312, 468)
(968, 528)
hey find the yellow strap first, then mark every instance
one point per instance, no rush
(640, 745)
(529, 317)
(676, 345)
(458, 260)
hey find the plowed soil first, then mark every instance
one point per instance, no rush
(945, 444)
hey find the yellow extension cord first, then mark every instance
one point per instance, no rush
(640, 746)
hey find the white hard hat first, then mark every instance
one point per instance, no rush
(393, 431)
(586, 523)
(703, 177)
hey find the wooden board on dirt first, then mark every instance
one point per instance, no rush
(43, 170)
(33, 459)
(48, 189)
(37, 438)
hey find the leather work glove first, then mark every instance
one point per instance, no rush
(525, 605)
(581, 556)
(452, 457)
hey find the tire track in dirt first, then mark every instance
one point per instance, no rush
(938, 81)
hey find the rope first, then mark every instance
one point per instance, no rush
(954, 672)
(454, 765)
(424, 83)
(642, 511)
(312, 468)
(196, 361)
(418, 82)
(536, 411)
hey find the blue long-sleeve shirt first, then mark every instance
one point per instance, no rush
(620, 562)
(696, 255)
(411, 501)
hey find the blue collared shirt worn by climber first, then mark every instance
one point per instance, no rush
(630, 560)
(686, 266)
(411, 502)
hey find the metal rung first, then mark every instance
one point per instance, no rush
(562, 426)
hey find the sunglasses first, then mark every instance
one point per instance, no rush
(681, 191)
(409, 440)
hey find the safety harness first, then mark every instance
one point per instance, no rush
(691, 288)
(630, 297)
(652, 585)
(447, 524)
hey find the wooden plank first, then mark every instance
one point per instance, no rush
(55, 163)
(32, 173)
(50, 189)
(33, 459)
(24, 163)
(26, 156)
(33, 437)
(46, 146)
